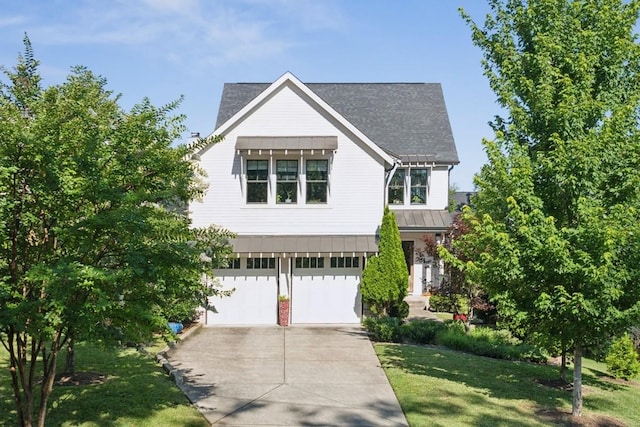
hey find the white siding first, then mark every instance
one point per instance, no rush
(439, 188)
(356, 189)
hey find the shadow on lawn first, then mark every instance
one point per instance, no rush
(490, 378)
(136, 388)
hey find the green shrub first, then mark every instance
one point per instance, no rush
(622, 360)
(400, 310)
(437, 303)
(421, 331)
(450, 303)
(497, 344)
(384, 329)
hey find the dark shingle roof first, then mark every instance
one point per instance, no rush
(401, 118)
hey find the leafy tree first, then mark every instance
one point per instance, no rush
(90, 246)
(554, 229)
(385, 277)
(453, 286)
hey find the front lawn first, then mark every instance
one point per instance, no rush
(440, 387)
(136, 392)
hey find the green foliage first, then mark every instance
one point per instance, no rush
(385, 277)
(400, 310)
(383, 329)
(451, 303)
(498, 344)
(622, 360)
(422, 331)
(93, 243)
(555, 225)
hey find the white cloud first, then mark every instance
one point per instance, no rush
(10, 21)
(213, 32)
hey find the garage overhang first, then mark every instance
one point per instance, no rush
(305, 245)
(424, 220)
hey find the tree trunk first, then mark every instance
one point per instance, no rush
(49, 371)
(69, 365)
(577, 382)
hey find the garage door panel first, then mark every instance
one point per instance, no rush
(327, 298)
(254, 301)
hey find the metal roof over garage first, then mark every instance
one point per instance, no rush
(299, 244)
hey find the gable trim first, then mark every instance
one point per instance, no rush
(288, 78)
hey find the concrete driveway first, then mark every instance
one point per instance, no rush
(294, 376)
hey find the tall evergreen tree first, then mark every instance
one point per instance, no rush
(556, 220)
(385, 277)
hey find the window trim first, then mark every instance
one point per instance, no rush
(397, 186)
(292, 198)
(264, 182)
(424, 187)
(324, 181)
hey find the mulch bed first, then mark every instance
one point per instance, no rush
(81, 378)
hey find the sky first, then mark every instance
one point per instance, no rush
(164, 49)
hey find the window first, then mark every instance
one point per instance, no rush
(232, 264)
(261, 263)
(309, 262)
(396, 188)
(257, 179)
(345, 262)
(419, 178)
(317, 181)
(287, 181)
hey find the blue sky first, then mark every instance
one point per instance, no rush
(162, 49)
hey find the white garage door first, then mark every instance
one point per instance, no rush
(254, 302)
(325, 295)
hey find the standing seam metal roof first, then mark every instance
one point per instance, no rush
(401, 118)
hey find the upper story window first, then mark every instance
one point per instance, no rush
(287, 181)
(396, 188)
(419, 181)
(317, 180)
(414, 190)
(257, 181)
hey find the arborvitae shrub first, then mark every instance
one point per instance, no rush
(622, 360)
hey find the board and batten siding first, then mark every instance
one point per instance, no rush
(356, 179)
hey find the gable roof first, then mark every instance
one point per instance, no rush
(248, 104)
(403, 119)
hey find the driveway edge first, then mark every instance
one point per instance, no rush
(175, 374)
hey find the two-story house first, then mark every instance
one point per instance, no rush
(303, 175)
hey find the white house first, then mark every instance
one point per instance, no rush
(303, 175)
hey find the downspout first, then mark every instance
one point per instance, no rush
(387, 179)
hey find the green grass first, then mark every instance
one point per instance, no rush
(440, 387)
(442, 315)
(137, 393)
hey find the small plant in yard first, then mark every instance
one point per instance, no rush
(422, 331)
(384, 329)
(622, 360)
